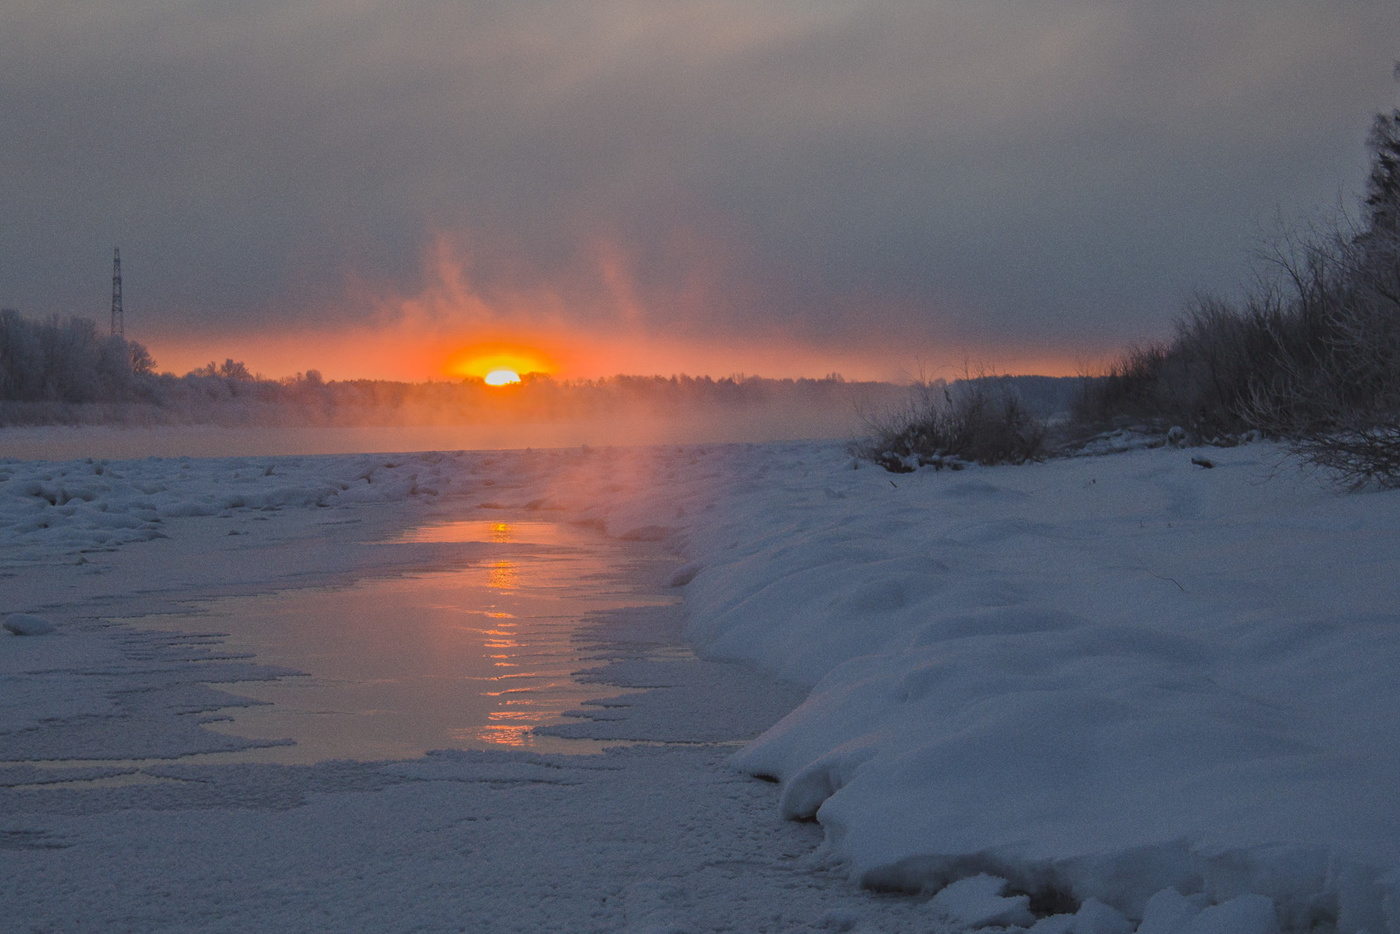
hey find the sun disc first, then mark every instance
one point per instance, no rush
(502, 377)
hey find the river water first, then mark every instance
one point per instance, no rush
(474, 657)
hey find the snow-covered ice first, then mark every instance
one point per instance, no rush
(1096, 694)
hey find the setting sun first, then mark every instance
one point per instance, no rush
(502, 377)
(499, 363)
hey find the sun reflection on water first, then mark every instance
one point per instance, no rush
(475, 655)
(505, 727)
(495, 531)
(517, 735)
(503, 576)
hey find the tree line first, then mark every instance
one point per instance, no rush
(65, 371)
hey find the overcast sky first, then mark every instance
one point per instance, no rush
(801, 185)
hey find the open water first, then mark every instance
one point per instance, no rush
(395, 666)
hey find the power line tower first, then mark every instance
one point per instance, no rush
(118, 325)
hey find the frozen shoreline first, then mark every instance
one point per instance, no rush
(1096, 678)
(653, 837)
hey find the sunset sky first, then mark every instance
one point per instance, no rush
(412, 189)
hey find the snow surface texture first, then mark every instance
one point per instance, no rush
(1095, 695)
(1103, 677)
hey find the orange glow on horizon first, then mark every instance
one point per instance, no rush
(401, 354)
(483, 360)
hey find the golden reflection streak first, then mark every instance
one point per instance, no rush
(503, 576)
(503, 734)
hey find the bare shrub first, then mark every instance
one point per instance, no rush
(978, 419)
(1357, 457)
(1203, 380)
(1335, 397)
(1126, 388)
(1311, 356)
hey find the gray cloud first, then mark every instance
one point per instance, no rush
(933, 174)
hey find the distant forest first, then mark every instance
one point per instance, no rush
(64, 371)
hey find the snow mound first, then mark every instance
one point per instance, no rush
(1248, 914)
(1168, 912)
(684, 574)
(977, 902)
(1093, 917)
(27, 624)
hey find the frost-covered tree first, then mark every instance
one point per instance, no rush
(21, 360)
(142, 363)
(230, 369)
(67, 360)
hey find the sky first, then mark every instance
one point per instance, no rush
(418, 189)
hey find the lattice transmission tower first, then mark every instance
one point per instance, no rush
(118, 325)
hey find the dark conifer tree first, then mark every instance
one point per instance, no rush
(1383, 185)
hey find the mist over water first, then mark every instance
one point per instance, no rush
(60, 442)
(257, 419)
(621, 412)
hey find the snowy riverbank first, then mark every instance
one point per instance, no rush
(1101, 677)
(1097, 678)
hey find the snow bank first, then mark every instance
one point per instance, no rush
(1097, 679)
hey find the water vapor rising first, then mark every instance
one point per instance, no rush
(598, 317)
